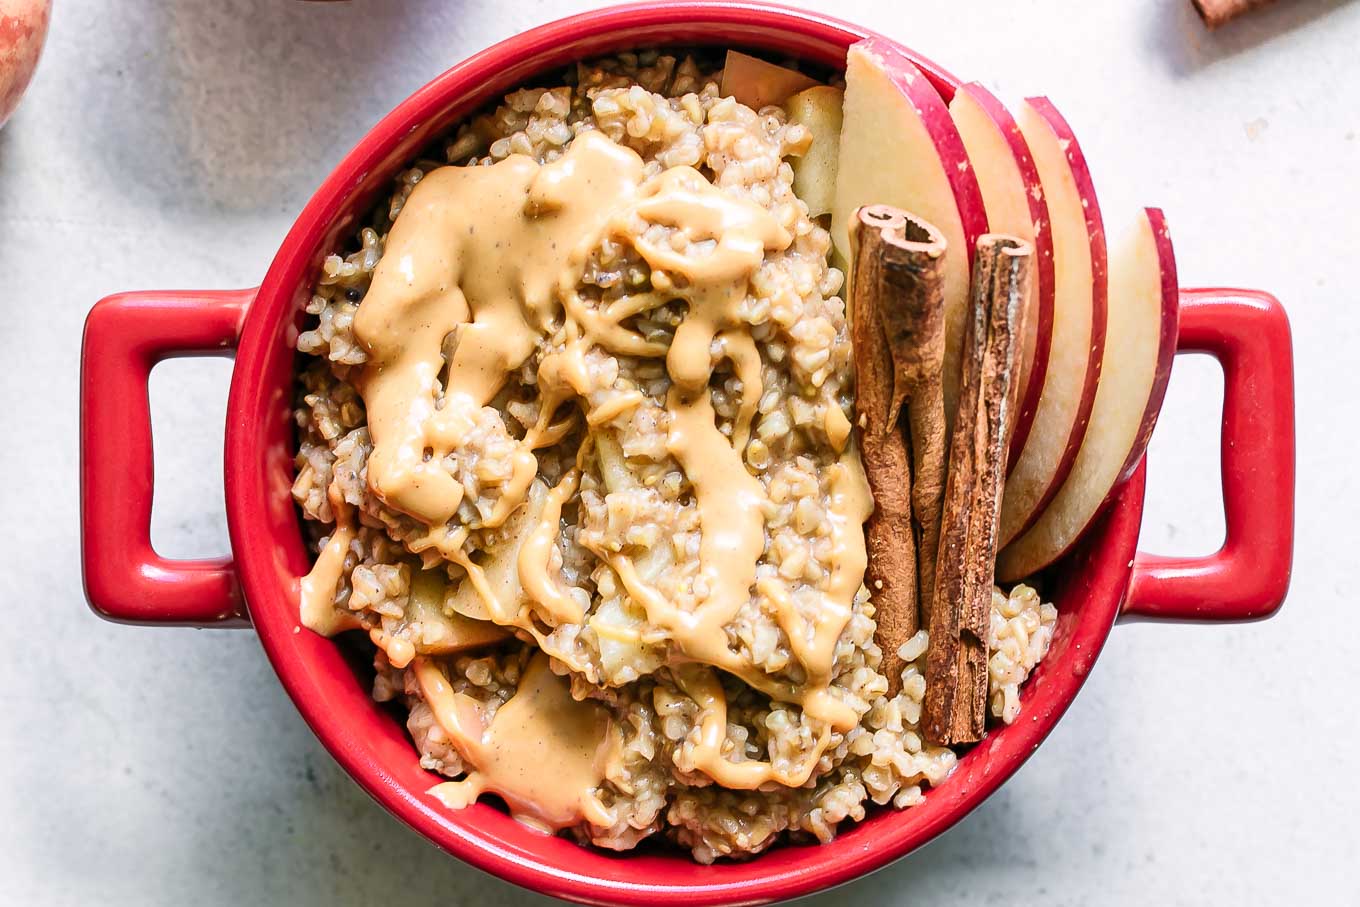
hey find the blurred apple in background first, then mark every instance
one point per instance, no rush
(23, 27)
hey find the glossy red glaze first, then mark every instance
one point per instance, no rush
(1246, 579)
(125, 580)
(125, 336)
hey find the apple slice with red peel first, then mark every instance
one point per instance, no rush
(757, 84)
(1079, 297)
(1014, 200)
(899, 147)
(1143, 319)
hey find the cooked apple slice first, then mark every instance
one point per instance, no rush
(497, 593)
(436, 631)
(814, 174)
(1079, 290)
(1014, 201)
(758, 84)
(899, 147)
(1143, 317)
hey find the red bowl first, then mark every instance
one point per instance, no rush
(127, 581)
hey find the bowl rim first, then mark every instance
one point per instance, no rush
(266, 539)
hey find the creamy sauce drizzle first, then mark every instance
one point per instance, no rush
(492, 288)
(534, 556)
(701, 684)
(489, 280)
(543, 752)
(317, 610)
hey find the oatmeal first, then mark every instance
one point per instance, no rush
(575, 432)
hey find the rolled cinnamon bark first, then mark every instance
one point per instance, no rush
(897, 330)
(956, 660)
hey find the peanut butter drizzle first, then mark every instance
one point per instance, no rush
(837, 428)
(740, 350)
(701, 684)
(489, 280)
(543, 752)
(617, 406)
(533, 563)
(491, 258)
(317, 610)
(400, 652)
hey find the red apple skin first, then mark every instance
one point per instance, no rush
(23, 29)
(1043, 262)
(934, 112)
(1166, 349)
(1166, 355)
(1095, 232)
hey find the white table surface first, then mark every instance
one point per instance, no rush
(170, 144)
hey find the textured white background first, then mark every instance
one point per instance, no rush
(170, 144)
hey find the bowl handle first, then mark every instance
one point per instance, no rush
(1247, 331)
(125, 579)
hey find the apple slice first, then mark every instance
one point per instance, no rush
(814, 174)
(1143, 319)
(440, 632)
(1014, 201)
(1079, 289)
(758, 84)
(899, 147)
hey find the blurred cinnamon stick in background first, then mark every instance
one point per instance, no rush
(1217, 12)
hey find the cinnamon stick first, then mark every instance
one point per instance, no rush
(915, 328)
(1219, 12)
(956, 659)
(898, 337)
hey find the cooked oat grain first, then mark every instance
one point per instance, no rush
(634, 496)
